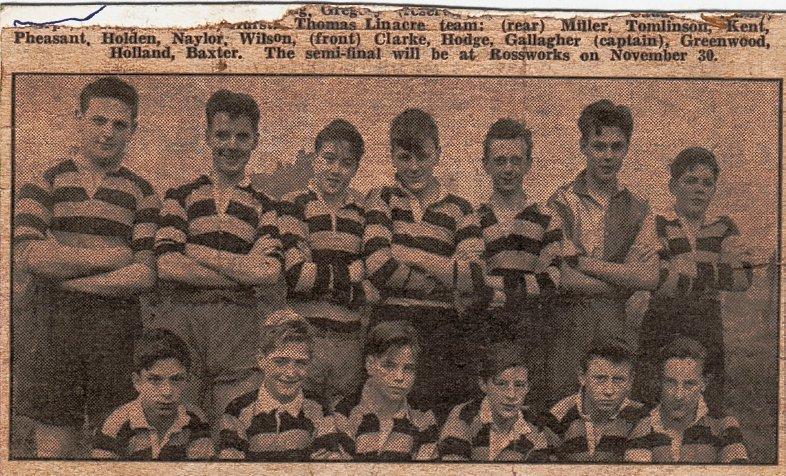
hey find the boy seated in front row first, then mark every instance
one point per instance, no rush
(592, 425)
(377, 423)
(157, 425)
(275, 422)
(679, 429)
(496, 427)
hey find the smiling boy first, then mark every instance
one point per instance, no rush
(84, 230)
(217, 243)
(680, 429)
(322, 235)
(420, 243)
(157, 425)
(276, 422)
(592, 425)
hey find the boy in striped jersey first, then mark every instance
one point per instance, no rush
(322, 233)
(276, 422)
(523, 247)
(219, 241)
(377, 423)
(680, 429)
(496, 427)
(419, 244)
(85, 231)
(593, 424)
(601, 218)
(157, 425)
(700, 256)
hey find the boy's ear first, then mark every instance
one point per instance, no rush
(582, 376)
(136, 379)
(484, 386)
(369, 363)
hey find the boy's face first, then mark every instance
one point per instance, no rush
(284, 370)
(506, 392)
(334, 167)
(604, 152)
(161, 386)
(106, 126)
(393, 372)
(507, 165)
(606, 384)
(232, 139)
(694, 190)
(682, 386)
(415, 169)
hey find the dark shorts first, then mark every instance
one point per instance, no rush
(83, 358)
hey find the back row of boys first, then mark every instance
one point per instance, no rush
(95, 235)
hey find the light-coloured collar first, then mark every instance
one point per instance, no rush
(657, 421)
(266, 403)
(580, 186)
(441, 192)
(244, 182)
(495, 197)
(352, 197)
(368, 404)
(520, 426)
(137, 419)
(586, 416)
(671, 215)
(82, 162)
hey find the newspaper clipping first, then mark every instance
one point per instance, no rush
(477, 241)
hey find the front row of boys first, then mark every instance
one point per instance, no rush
(92, 231)
(276, 422)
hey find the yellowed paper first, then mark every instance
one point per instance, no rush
(709, 80)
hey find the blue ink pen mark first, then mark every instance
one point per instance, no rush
(55, 22)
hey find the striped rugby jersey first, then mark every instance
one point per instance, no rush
(189, 215)
(707, 440)
(398, 230)
(577, 438)
(263, 429)
(410, 435)
(522, 253)
(122, 210)
(319, 246)
(468, 435)
(665, 233)
(126, 434)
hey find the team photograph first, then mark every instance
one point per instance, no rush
(395, 268)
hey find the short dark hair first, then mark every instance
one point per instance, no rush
(496, 357)
(341, 130)
(605, 113)
(410, 128)
(613, 349)
(110, 87)
(691, 157)
(507, 129)
(389, 334)
(684, 348)
(155, 344)
(272, 336)
(234, 104)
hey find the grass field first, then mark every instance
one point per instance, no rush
(751, 330)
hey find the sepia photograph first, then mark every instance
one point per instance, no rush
(314, 267)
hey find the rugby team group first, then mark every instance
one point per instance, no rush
(400, 324)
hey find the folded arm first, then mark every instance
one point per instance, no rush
(49, 259)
